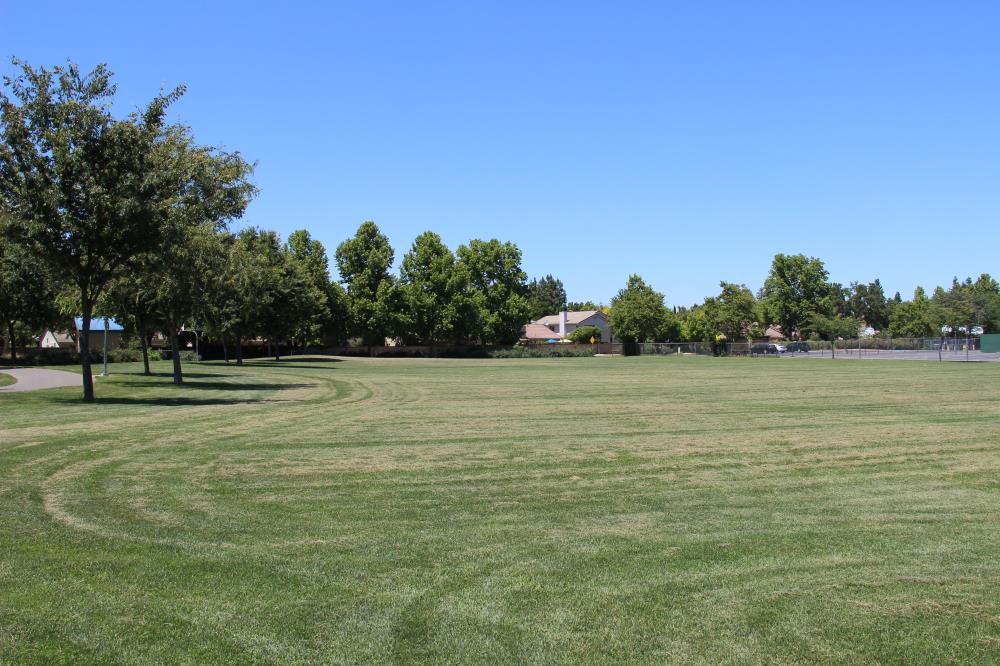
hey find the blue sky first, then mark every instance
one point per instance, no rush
(686, 142)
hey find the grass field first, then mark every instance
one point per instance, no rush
(569, 510)
(6, 380)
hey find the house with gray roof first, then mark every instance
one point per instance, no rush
(566, 322)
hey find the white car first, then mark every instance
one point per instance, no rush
(781, 348)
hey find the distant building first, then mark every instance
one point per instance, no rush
(560, 325)
(57, 340)
(115, 333)
(538, 333)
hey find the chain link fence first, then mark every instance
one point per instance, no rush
(914, 349)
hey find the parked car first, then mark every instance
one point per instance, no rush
(781, 348)
(764, 349)
(798, 347)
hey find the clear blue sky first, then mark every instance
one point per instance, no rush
(687, 142)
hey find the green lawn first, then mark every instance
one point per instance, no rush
(6, 380)
(568, 510)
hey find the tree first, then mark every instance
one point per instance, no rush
(696, 325)
(794, 290)
(914, 318)
(27, 293)
(867, 303)
(670, 327)
(80, 183)
(576, 306)
(546, 296)
(131, 300)
(309, 256)
(494, 269)
(207, 188)
(374, 298)
(294, 300)
(831, 327)
(248, 288)
(637, 311)
(734, 313)
(441, 304)
(583, 334)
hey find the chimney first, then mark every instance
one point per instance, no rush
(562, 324)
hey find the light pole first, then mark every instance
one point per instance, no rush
(105, 373)
(945, 330)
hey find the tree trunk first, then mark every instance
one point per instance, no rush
(239, 351)
(145, 353)
(12, 343)
(277, 351)
(225, 350)
(88, 379)
(175, 353)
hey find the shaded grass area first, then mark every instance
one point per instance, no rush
(6, 380)
(567, 510)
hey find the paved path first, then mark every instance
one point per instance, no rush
(33, 379)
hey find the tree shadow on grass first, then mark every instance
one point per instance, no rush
(176, 402)
(219, 386)
(304, 362)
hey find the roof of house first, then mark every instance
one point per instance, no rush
(572, 317)
(539, 332)
(97, 324)
(774, 332)
(60, 336)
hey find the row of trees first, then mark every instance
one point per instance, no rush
(128, 217)
(798, 297)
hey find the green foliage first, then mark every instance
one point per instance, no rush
(27, 292)
(578, 306)
(494, 270)
(734, 313)
(542, 351)
(795, 290)
(186, 355)
(124, 355)
(968, 303)
(584, 333)
(914, 318)
(637, 312)
(868, 304)
(82, 186)
(375, 301)
(696, 326)
(831, 327)
(306, 258)
(441, 304)
(546, 296)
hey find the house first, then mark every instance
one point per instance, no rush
(562, 324)
(538, 333)
(115, 333)
(57, 340)
(774, 333)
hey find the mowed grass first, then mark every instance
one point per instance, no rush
(6, 380)
(563, 511)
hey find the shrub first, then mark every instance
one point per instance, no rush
(584, 333)
(187, 356)
(124, 355)
(549, 351)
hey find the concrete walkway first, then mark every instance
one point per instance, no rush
(33, 379)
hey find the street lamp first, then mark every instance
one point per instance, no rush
(105, 373)
(945, 330)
